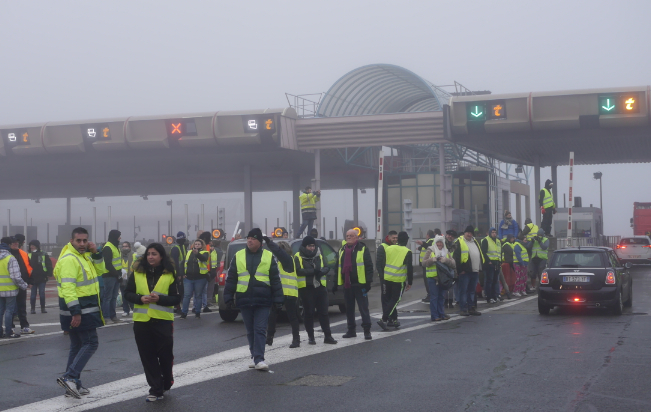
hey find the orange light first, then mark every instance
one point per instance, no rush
(498, 110)
(176, 128)
(268, 123)
(577, 299)
(105, 132)
(278, 232)
(544, 279)
(610, 278)
(630, 104)
(358, 231)
(169, 240)
(216, 233)
(25, 137)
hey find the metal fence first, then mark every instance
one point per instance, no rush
(609, 241)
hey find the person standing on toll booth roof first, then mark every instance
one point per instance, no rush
(422, 249)
(469, 260)
(355, 272)
(253, 284)
(112, 277)
(153, 292)
(11, 281)
(178, 253)
(508, 226)
(196, 277)
(547, 207)
(398, 276)
(128, 259)
(77, 272)
(41, 270)
(492, 249)
(308, 209)
(26, 274)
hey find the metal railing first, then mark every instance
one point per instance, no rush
(608, 241)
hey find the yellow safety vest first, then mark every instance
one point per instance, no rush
(425, 245)
(524, 253)
(308, 202)
(142, 312)
(537, 250)
(548, 200)
(395, 269)
(125, 263)
(261, 273)
(494, 248)
(213, 258)
(6, 284)
(465, 252)
(431, 271)
(117, 256)
(533, 232)
(301, 279)
(41, 259)
(359, 262)
(203, 266)
(288, 279)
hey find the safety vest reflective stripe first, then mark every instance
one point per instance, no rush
(213, 258)
(154, 307)
(533, 232)
(288, 280)
(494, 247)
(394, 269)
(548, 200)
(359, 263)
(203, 266)
(143, 312)
(308, 202)
(524, 253)
(537, 250)
(431, 271)
(117, 257)
(6, 284)
(261, 274)
(86, 281)
(83, 311)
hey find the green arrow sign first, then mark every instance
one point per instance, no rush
(608, 106)
(477, 113)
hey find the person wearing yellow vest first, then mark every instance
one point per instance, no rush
(312, 289)
(308, 209)
(547, 207)
(128, 258)
(354, 271)
(437, 253)
(397, 273)
(152, 288)
(508, 269)
(253, 285)
(538, 261)
(77, 275)
(26, 273)
(380, 256)
(41, 269)
(10, 282)
(423, 246)
(492, 249)
(520, 263)
(469, 259)
(530, 230)
(112, 276)
(195, 278)
(178, 253)
(212, 287)
(283, 253)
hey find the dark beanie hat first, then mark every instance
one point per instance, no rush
(308, 240)
(8, 240)
(35, 243)
(256, 234)
(403, 238)
(19, 237)
(451, 233)
(469, 229)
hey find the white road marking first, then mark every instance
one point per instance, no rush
(212, 367)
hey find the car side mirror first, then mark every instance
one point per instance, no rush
(628, 265)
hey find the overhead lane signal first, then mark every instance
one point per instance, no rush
(619, 103)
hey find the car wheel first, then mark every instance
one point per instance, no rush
(342, 307)
(228, 315)
(619, 305)
(629, 301)
(543, 309)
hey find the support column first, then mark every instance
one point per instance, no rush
(68, 211)
(248, 201)
(518, 209)
(555, 180)
(355, 204)
(536, 184)
(527, 206)
(296, 204)
(317, 187)
(444, 212)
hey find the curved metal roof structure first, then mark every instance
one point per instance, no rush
(378, 89)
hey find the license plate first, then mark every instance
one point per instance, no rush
(635, 256)
(577, 279)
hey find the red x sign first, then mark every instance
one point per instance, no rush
(176, 128)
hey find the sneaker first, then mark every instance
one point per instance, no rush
(115, 320)
(500, 298)
(492, 301)
(125, 314)
(367, 334)
(251, 365)
(13, 336)
(350, 334)
(396, 324)
(311, 341)
(390, 323)
(516, 294)
(261, 366)
(154, 398)
(207, 309)
(295, 344)
(329, 340)
(464, 313)
(83, 391)
(197, 315)
(474, 312)
(33, 312)
(70, 385)
(26, 331)
(382, 324)
(184, 315)
(524, 293)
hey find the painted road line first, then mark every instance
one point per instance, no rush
(212, 367)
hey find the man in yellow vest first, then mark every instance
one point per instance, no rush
(538, 260)
(10, 281)
(492, 249)
(354, 271)
(469, 260)
(397, 273)
(77, 272)
(422, 249)
(253, 284)
(529, 230)
(308, 209)
(547, 207)
(112, 276)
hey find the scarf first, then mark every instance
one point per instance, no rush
(348, 264)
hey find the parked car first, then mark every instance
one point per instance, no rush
(329, 258)
(636, 250)
(585, 276)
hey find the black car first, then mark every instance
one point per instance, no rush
(329, 259)
(585, 276)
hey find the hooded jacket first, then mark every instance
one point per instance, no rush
(433, 253)
(308, 265)
(107, 253)
(257, 293)
(541, 195)
(507, 227)
(14, 272)
(37, 260)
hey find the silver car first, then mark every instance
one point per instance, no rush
(636, 250)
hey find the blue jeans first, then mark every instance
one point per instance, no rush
(40, 288)
(491, 281)
(467, 284)
(307, 223)
(7, 307)
(436, 299)
(83, 344)
(110, 297)
(193, 287)
(255, 320)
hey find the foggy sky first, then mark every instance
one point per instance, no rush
(74, 60)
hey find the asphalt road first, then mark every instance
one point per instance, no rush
(508, 359)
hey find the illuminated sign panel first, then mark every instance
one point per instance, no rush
(17, 137)
(259, 123)
(96, 131)
(488, 110)
(497, 110)
(476, 112)
(181, 127)
(619, 103)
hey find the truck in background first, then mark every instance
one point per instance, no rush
(641, 220)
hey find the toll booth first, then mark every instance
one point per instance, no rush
(587, 222)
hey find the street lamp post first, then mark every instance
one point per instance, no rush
(597, 176)
(169, 203)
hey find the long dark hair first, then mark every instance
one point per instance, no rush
(168, 266)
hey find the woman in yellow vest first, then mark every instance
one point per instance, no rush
(195, 278)
(437, 253)
(152, 288)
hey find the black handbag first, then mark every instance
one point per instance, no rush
(445, 276)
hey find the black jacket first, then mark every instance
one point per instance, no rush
(38, 274)
(194, 272)
(465, 267)
(312, 266)
(258, 293)
(172, 299)
(380, 259)
(285, 260)
(178, 253)
(368, 264)
(107, 254)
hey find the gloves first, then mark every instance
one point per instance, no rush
(278, 307)
(266, 239)
(334, 289)
(542, 210)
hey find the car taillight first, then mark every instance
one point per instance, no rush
(222, 278)
(544, 279)
(621, 247)
(577, 299)
(610, 278)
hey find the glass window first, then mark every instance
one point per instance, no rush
(582, 228)
(425, 180)
(329, 255)
(425, 197)
(577, 259)
(409, 193)
(409, 180)
(634, 241)
(394, 200)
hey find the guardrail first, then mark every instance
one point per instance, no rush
(608, 241)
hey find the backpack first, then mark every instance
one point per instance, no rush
(445, 276)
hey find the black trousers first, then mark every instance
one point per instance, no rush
(546, 224)
(393, 291)
(315, 298)
(155, 343)
(352, 295)
(292, 315)
(21, 309)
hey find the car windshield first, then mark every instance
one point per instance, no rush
(634, 241)
(578, 259)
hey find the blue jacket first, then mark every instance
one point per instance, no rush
(514, 229)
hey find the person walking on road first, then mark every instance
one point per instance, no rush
(311, 277)
(253, 284)
(492, 250)
(520, 262)
(11, 281)
(41, 269)
(196, 277)
(113, 276)
(547, 207)
(210, 280)
(450, 245)
(128, 259)
(26, 273)
(308, 209)
(283, 253)
(538, 261)
(437, 253)
(380, 256)
(178, 253)
(508, 269)
(398, 276)
(355, 272)
(212, 289)
(153, 292)
(422, 249)
(77, 272)
(508, 226)
(469, 260)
